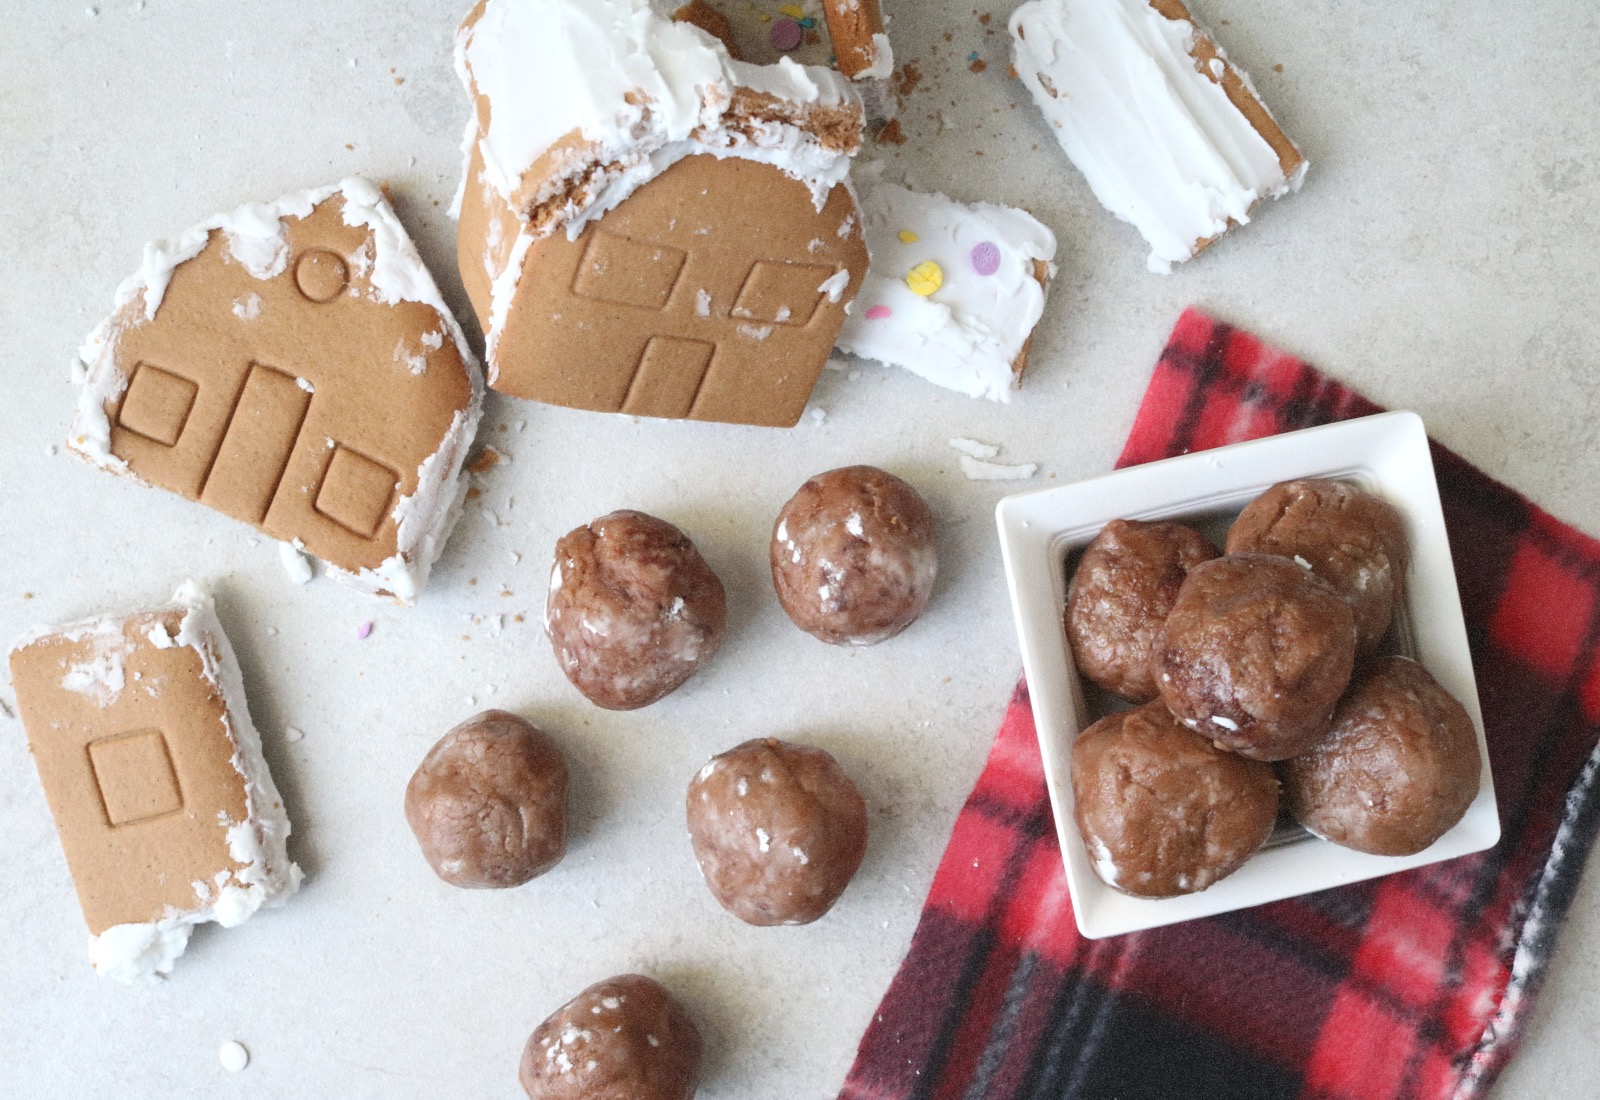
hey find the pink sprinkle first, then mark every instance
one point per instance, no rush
(878, 313)
(787, 35)
(362, 631)
(986, 258)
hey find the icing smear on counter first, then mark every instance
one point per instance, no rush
(591, 99)
(1160, 143)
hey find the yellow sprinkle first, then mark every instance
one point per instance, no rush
(925, 278)
(793, 11)
(908, 237)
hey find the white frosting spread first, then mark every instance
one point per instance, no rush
(102, 676)
(882, 67)
(639, 92)
(262, 873)
(636, 87)
(392, 268)
(968, 333)
(1160, 143)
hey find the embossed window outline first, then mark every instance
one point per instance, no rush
(782, 292)
(157, 404)
(629, 272)
(349, 469)
(144, 753)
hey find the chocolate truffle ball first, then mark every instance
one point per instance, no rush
(1125, 583)
(853, 557)
(625, 1038)
(1353, 539)
(1255, 653)
(633, 610)
(1162, 810)
(1396, 771)
(488, 804)
(778, 831)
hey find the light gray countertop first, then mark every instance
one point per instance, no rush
(1442, 257)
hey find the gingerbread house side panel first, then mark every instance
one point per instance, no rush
(132, 747)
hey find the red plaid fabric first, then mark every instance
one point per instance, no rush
(1414, 985)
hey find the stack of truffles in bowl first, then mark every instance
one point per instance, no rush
(1261, 681)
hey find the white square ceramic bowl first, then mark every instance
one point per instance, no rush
(1387, 454)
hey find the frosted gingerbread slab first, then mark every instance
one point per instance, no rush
(292, 365)
(1171, 136)
(154, 774)
(954, 290)
(646, 225)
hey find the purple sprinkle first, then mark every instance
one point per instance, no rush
(986, 258)
(362, 631)
(787, 35)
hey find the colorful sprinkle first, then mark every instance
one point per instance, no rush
(808, 23)
(925, 278)
(794, 11)
(363, 631)
(786, 35)
(986, 258)
(973, 56)
(908, 237)
(879, 313)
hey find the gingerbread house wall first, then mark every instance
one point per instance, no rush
(298, 404)
(702, 296)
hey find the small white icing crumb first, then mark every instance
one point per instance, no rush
(247, 307)
(415, 362)
(1225, 723)
(977, 470)
(835, 285)
(819, 415)
(702, 303)
(293, 734)
(295, 564)
(853, 524)
(233, 1056)
(1104, 864)
(1301, 562)
(974, 448)
(764, 839)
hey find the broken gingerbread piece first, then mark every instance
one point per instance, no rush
(668, 240)
(954, 290)
(293, 365)
(847, 35)
(1169, 134)
(154, 775)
